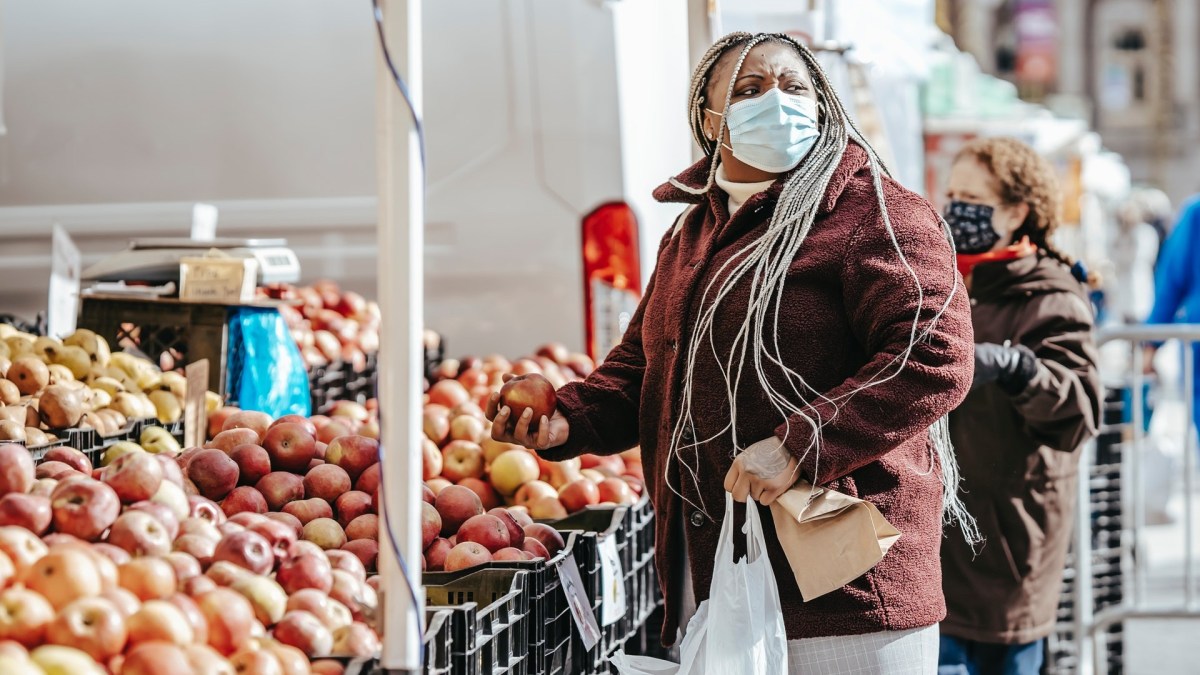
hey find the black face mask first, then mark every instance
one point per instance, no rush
(971, 226)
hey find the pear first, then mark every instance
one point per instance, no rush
(59, 374)
(212, 402)
(118, 449)
(148, 409)
(128, 405)
(99, 423)
(148, 380)
(116, 419)
(159, 441)
(108, 384)
(35, 438)
(5, 350)
(15, 413)
(96, 347)
(47, 349)
(9, 394)
(14, 432)
(61, 407)
(19, 345)
(100, 398)
(29, 374)
(175, 383)
(6, 331)
(116, 374)
(129, 363)
(76, 359)
(167, 408)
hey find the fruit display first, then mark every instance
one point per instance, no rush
(483, 496)
(329, 325)
(217, 559)
(47, 385)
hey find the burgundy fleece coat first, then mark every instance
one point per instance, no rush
(847, 312)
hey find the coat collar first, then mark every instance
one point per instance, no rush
(854, 160)
(1031, 275)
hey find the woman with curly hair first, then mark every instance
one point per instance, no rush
(1034, 399)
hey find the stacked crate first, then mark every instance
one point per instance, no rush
(1108, 550)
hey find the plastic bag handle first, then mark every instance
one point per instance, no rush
(756, 543)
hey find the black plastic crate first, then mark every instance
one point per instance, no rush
(489, 621)
(550, 618)
(327, 385)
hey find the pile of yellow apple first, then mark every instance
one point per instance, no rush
(78, 382)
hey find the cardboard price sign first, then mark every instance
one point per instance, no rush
(581, 610)
(612, 583)
(195, 415)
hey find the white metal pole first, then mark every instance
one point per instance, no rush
(401, 286)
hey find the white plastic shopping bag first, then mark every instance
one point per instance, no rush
(739, 629)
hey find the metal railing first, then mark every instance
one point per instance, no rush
(1090, 625)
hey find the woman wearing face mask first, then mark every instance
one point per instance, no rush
(804, 321)
(1034, 400)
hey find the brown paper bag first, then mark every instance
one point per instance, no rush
(830, 538)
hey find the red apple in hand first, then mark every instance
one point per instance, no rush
(531, 391)
(290, 446)
(84, 508)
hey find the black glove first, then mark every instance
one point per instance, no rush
(1010, 367)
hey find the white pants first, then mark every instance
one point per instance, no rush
(905, 652)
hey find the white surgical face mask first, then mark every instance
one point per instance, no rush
(772, 132)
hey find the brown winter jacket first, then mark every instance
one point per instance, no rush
(849, 305)
(1018, 454)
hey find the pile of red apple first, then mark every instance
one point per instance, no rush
(329, 325)
(477, 485)
(250, 555)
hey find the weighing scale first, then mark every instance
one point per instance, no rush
(156, 261)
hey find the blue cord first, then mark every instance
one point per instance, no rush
(391, 535)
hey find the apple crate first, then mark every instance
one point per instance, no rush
(551, 624)
(489, 621)
(327, 384)
(593, 526)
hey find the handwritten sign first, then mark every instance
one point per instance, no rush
(195, 415)
(65, 265)
(217, 279)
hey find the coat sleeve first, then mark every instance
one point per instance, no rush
(1061, 404)
(883, 404)
(602, 410)
(1173, 277)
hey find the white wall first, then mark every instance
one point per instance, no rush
(122, 113)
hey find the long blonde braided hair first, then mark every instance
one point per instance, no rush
(764, 263)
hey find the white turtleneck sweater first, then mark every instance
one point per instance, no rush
(739, 192)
